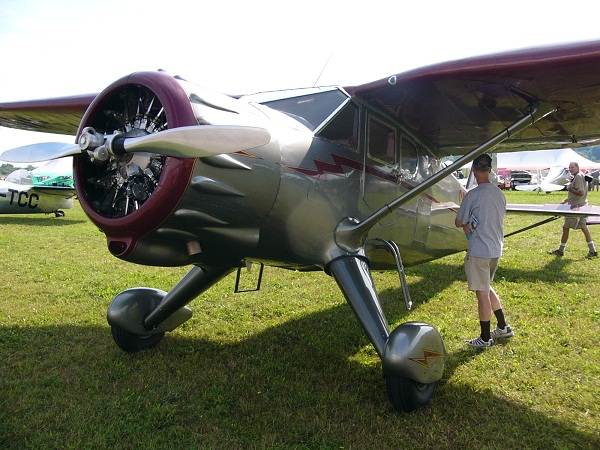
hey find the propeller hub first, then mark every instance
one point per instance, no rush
(90, 139)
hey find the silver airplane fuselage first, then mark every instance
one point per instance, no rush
(279, 203)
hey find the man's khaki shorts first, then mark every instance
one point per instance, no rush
(576, 223)
(480, 272)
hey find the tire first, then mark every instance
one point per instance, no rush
(130, 342)
(407, 395)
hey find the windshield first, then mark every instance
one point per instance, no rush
(313, 108)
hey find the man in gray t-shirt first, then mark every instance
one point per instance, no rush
(481, 215)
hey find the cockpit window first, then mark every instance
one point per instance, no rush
(343, 128)
(313, 108)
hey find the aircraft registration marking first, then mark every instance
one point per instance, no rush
(22, 198)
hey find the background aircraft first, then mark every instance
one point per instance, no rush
(541, 184)
(58, 172)
(340, 179)
(48, 189)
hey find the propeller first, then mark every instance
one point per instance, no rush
(184, 142)
(40, 152)
(196, 141)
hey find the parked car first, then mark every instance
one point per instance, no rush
(501, 181)
(517, 177)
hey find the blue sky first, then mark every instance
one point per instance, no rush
(69, 47)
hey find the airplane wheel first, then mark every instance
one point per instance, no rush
(408, 395)
(134, 342)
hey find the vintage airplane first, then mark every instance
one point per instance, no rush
(22, 193)
(58, 172)
(540, 185)
(344, 180)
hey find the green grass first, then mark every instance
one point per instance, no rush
(288, 366)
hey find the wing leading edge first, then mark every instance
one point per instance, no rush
(60, 191)
(60, 115)
(557, 210)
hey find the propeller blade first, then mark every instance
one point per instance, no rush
(40, 152)
(196, 141)
(185, 142)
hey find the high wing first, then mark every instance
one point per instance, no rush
(451, 107)
(57, 115)
(60, 191)
(454, 106)
(553, 212)
(559, 210)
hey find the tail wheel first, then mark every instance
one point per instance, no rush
(408, 395)
(130, 342)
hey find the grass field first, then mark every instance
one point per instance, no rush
(288, 366)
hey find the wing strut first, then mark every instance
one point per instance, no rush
(537, 224)
(350, 233)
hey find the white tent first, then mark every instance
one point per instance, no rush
(544, 159)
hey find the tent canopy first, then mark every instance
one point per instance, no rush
(544, 159)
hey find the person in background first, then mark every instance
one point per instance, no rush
(577, 196)
(481, 216)
(595, 180)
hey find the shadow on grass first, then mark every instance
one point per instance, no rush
(436, 276)
(426, 282)
(551, 272)
(297, 385)
(39, 220)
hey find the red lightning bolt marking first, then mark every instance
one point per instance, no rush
(337, 168)
(426, 355)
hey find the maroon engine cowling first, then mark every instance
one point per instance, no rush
(128, 199)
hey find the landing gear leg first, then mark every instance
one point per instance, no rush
(194, 283)
(139, 317)
(353, 276)
(412, 355)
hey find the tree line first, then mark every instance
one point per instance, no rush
(6, 169)
(592, 152)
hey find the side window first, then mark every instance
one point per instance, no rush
(409, 159)
(381, 141)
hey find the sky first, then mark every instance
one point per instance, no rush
(69, 47)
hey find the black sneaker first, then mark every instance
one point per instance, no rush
(592, 255)
(557, 252)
